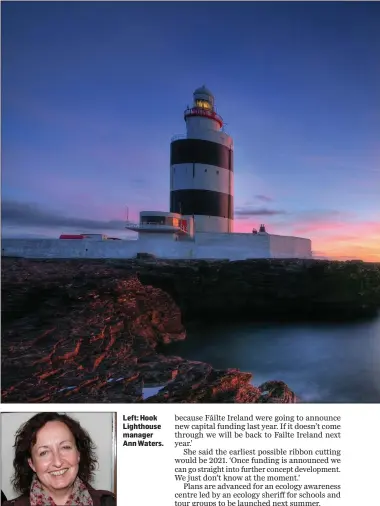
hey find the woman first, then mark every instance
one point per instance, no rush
(54, 463)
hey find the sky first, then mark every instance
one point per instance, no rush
(92, 93)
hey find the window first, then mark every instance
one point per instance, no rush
(159, 220)
(203, 104)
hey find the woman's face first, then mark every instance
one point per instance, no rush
(55, 458)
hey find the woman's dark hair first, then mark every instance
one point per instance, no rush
(26, 438)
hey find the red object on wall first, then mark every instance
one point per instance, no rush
(183, 224)
(71, 236)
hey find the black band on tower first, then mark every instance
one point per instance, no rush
(200, 151)
(201, 202)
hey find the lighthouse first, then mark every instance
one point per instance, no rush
(199, 224)
(201, 168)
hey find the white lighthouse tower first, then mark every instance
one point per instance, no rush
(201, 168)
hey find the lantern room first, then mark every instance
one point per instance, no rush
(202, 112)
(203, 98)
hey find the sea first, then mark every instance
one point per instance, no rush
(320, 362)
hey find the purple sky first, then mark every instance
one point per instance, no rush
(92, 93)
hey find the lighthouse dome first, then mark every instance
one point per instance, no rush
(203, 91)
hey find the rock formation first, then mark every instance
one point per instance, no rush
(268, 289)
(76, 331)
(88, 331)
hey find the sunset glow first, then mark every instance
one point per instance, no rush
(91, 99)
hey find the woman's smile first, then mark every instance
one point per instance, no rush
(59, 473)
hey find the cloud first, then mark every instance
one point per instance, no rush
(340, 230)
(31, 215)
(335, 235)
(263, 198)
(243, 213)
(343, 239)
(322, 214)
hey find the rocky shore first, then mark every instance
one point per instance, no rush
(88, 330)
(268, 289)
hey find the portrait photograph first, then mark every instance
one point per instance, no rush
(58, 459)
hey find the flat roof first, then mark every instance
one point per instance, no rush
(160, 213)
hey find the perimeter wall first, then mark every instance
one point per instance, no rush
(205, 245)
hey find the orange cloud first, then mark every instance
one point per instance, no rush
(364, 246)
(337, 240)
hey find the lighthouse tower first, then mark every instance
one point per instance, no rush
(201, 168)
